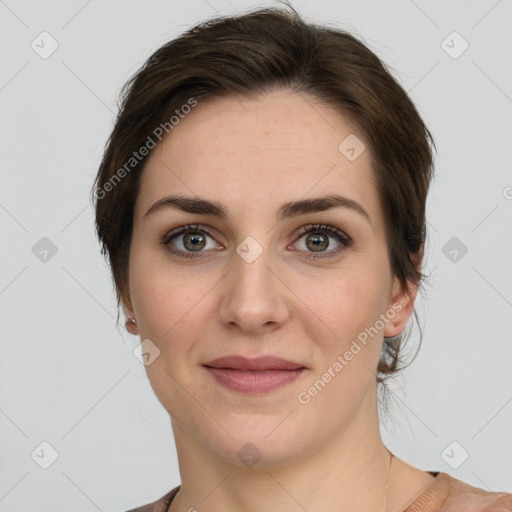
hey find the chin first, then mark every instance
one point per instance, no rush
(254, 453)
(261, 441)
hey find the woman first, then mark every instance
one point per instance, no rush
(262, 203)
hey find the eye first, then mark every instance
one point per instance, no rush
(316, 238)
(190, 241)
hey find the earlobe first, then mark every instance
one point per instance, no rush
(131, 326)
(131, 323)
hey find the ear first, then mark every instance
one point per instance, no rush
(128, 313)
(400, 307)
(401, 302)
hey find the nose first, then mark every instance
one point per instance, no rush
(254, 297)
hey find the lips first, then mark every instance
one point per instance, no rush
(235, 362)
(255, 376)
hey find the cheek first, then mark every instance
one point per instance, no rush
(350, 305)
(170, 303)
(151, 292)
(171, 307)
(164, 306)
(347, 303)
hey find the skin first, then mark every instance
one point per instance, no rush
(252, 156)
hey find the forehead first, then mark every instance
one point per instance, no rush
(254, 153)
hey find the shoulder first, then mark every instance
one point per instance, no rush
(160, 505)
(449, 494)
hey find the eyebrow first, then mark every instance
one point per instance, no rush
(286, 210)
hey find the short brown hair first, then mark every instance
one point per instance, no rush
(251, 54)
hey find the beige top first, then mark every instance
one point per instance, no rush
(443, 494)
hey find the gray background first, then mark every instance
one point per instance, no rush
(69, 377)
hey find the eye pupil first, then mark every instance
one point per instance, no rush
(319, 241)
(197, 240)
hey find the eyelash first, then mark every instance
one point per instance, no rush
(344, 240)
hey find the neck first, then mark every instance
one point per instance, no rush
(347, 473)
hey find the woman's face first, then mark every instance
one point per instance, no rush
(262, 280)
